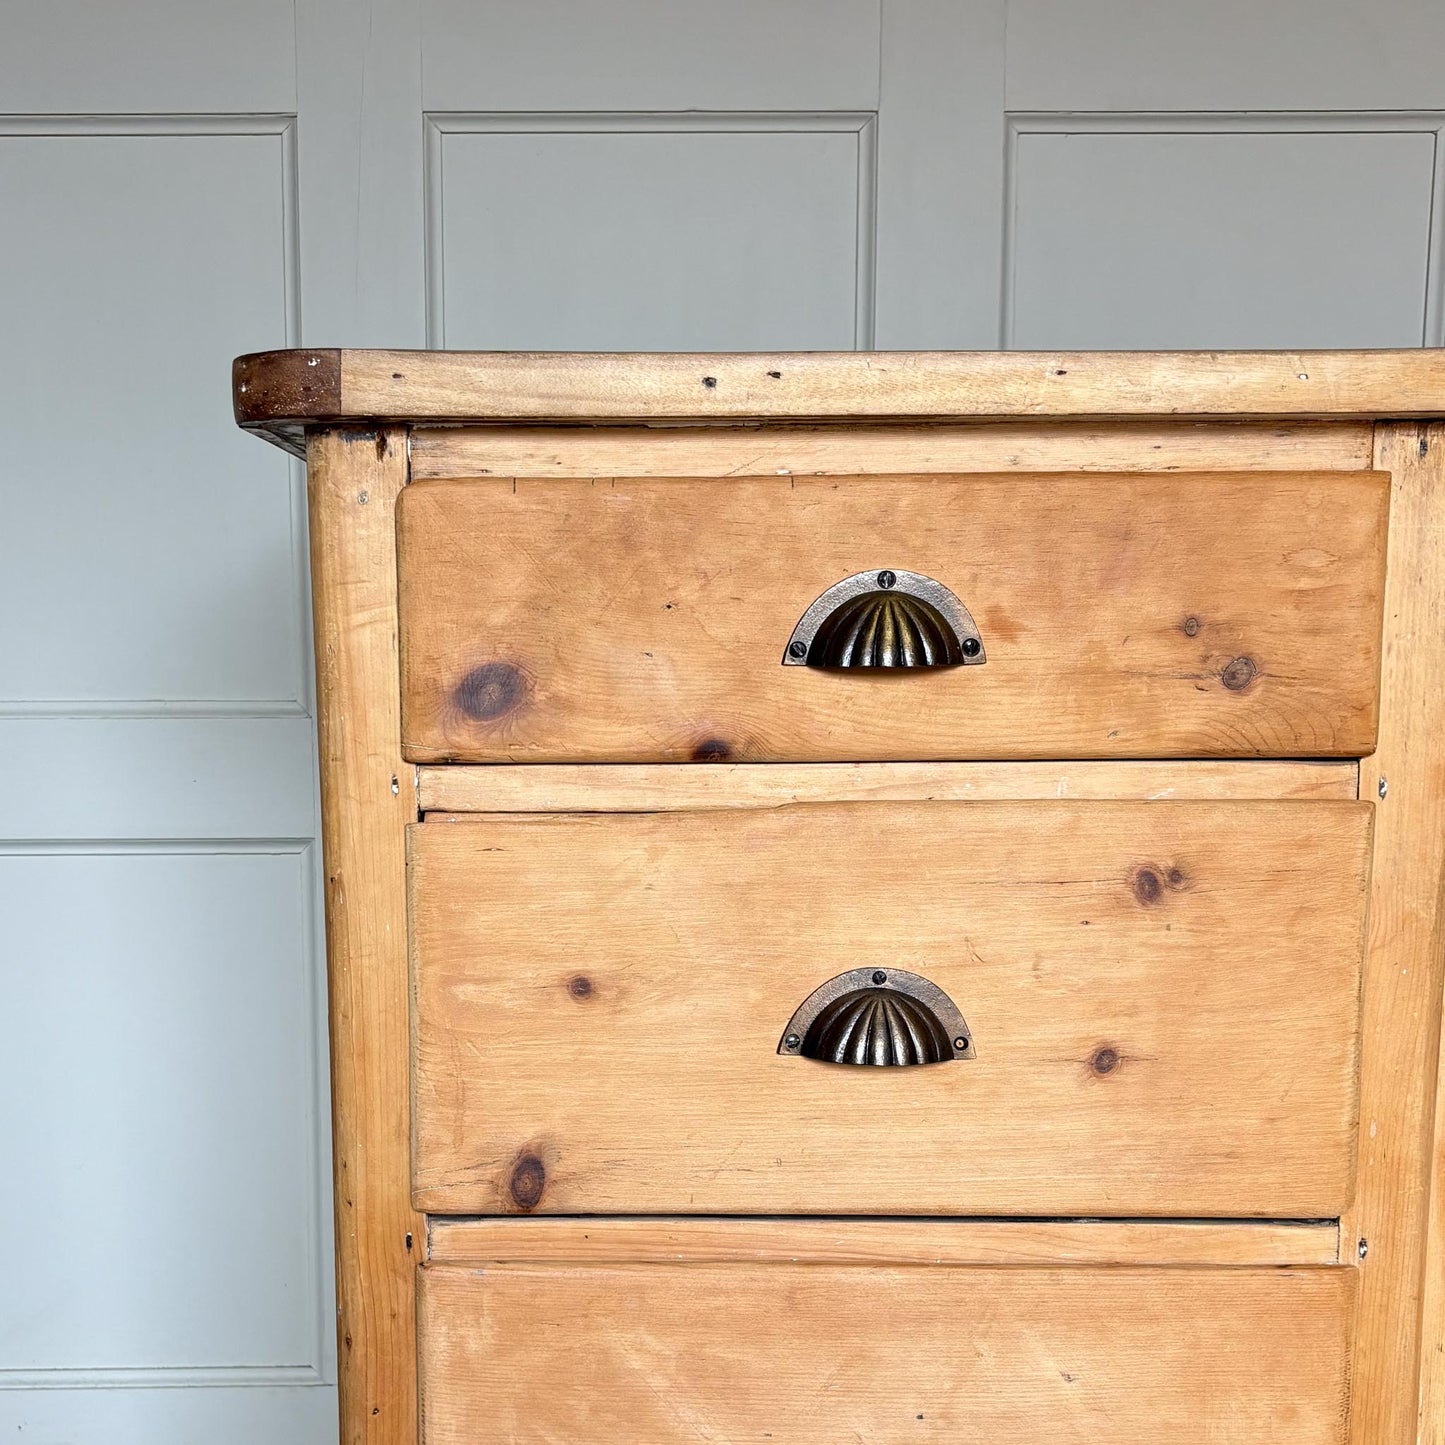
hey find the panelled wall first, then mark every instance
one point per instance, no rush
(179, 183)
(164, 1190)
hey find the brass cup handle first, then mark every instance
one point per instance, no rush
(885, 618)
(878, 1016)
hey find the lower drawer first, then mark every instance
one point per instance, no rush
(814, 1354)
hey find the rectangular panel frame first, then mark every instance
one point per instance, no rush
(863, 124)
(317, 1370)
(301, 704)
(1329, 122)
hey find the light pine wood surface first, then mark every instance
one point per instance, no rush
(479, 1242)
(1403, 966)
(1163, 998)
(1121, 616)
(644, 788)
(406, 386)
(580, 451)
(816, 1354)
(353, 481)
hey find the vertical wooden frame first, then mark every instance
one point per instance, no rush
(1386, 1228)
(1432, 1333)
(1429, 633)
(367, 799)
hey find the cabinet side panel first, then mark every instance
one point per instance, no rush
(355, 478)
(1401, 1026)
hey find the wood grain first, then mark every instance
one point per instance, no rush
(354, 479)
(812, 1355)
(650, 788)
(410, 386)
(1163, 998)
(740, 451)
(1122, 616)
(478, 1242)
(1404, 965)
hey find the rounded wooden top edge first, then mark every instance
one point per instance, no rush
(295, 385)
(319, 387)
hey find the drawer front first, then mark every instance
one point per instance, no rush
(811, 1355)
(1205, 614)
(1158, 1002)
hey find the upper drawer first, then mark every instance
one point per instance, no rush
(1200, 614)
(1133, 1009)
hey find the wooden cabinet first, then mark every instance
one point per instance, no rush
(879, 896)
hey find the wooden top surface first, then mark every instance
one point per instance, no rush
(278, 392)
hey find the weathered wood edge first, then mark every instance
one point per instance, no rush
(277, 389)
(1385, 1228)
(365, 808)
(276, 394)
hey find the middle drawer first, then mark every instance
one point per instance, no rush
(1139, 1008)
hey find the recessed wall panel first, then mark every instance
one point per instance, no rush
(1124, 236)
(148, 559)
(158, 1112)
(705, 237)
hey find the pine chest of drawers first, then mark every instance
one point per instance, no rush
(881, 897)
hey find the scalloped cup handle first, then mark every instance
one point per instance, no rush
(877, 1016)
(885, 619)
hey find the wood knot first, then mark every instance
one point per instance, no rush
(529, 1179)
(490, 691)
(712, 750)
(1150, 881)
(1238, 675)
(1105, 1060)
(579, 986)
(1190, 627)
(1147, 887)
